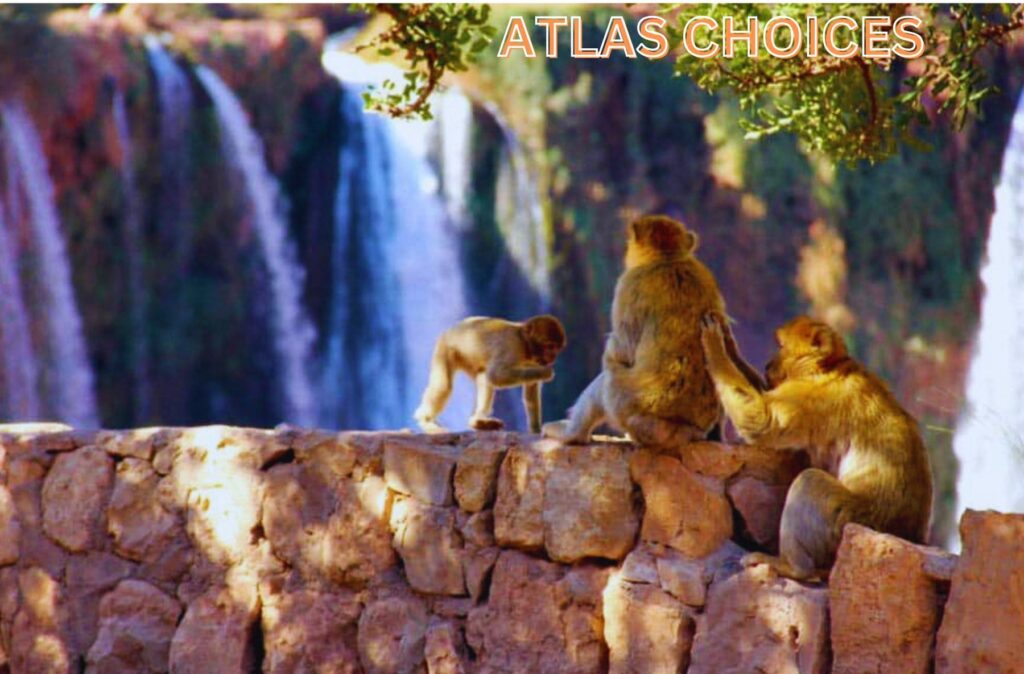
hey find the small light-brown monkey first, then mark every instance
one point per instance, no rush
(497, 354)
(654, 385)
(870, 465)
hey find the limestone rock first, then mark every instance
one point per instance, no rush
(221, 519)
(75, 492)
(476, 566)
(430, 547)
(756, 621)
(759, 506)
(519, 507)
(478, 528)
(305, 631)
(141, 526)
(415, 467)
(646, 629)
(984, 619)
(392, 635)
(10, 528)
(476, 474)
(38, 642)
(684, 578)
(334, 530)
(683, 510)
(884, 609)
(136, 625)
(589, 506)
(444, 648)
(216, 634)
(138, 443)
(640, 565)
(87, 579)
(539, 618)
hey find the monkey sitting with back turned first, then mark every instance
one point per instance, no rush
(497, 354)
(654, 384)
(870, 465)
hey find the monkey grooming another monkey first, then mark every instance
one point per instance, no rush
(654, 384)
(870, 465)
(497, 354)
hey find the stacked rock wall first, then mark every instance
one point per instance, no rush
(223, 550)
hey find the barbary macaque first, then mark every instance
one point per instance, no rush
(495, 353)
(869, 463)
(654, 384)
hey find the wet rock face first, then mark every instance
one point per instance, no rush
(236, 550)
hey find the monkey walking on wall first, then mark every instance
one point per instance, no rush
(870, 465)
(654, 384)
(497, 354)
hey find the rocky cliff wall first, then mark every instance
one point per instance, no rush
(221, 549)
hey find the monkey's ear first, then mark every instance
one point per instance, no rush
(690, 241)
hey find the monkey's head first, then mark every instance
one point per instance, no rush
(806, 347)
(656, 237)
(545, 338)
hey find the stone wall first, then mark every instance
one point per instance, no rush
(222, 550)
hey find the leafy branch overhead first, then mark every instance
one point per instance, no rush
(849, 109)
(432, 40)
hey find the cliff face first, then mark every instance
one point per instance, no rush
(239, 550)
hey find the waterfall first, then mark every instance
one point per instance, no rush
(21, 372)
(398, 282)
(989, 440)
(69, 376)
(293, 332)
(133, 243)
(174, 95)
(520, 216)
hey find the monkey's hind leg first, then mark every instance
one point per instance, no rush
(439, 388)
(587, 412)
(817, 507)
(482, 419)
(658, 433)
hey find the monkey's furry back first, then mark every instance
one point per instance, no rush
(656, 315)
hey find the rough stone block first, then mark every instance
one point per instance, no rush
(216, 634)
(683, 510)
(884, 608)
(646, 629)
(589, 506)
(476, 474)
(310, 632)
(427, 541)
(519, 508)
(75, 493)
(392, 635)
(756, 621)
(983, 626)
(415, 467)
(136, 624)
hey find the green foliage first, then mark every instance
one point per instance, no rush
(433, 40)
(849, 109)
(854, 109)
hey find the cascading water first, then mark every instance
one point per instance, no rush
(989, 440)
(174, 95)
(133, 243)
(68, 374)
(20, 400)
(398, 281)
(292, 331)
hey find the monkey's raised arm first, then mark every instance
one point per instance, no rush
(731, 348)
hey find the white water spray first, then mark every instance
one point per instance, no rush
(21, 371)
(69, 375)
(989, 440)
(292, 330)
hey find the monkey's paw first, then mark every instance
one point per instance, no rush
(486, 424)
(712, 338)
(430, 426)
(559, 430)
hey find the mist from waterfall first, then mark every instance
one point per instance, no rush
(20, 399)
(989, 440)
(68, 373)
(132, 214)
(293, 333)
(398, 279)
